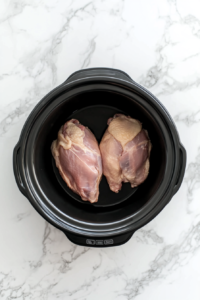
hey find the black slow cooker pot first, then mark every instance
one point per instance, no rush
(92, 96)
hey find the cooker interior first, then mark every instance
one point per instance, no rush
(93, 109)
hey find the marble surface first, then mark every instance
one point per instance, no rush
(158, 44)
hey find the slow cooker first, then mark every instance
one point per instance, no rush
(92, 96)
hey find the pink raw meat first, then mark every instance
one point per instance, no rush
(125, 150)
(78, 159)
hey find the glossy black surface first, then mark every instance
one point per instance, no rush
(93, 98)
(95, 117)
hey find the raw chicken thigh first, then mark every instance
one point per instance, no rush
(125, 150)
(78, 159)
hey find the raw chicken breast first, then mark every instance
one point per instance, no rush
(78, 159)
(125, 150)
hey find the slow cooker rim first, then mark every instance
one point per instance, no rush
(72, 84)
(125, 219)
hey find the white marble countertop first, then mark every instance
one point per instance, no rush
(158, 44)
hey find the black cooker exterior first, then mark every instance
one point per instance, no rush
(112, 233)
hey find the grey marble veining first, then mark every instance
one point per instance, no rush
(158, 44)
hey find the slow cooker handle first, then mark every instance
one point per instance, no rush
(16, 169)
(92, 72)
(181, 169)
(99, 242)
